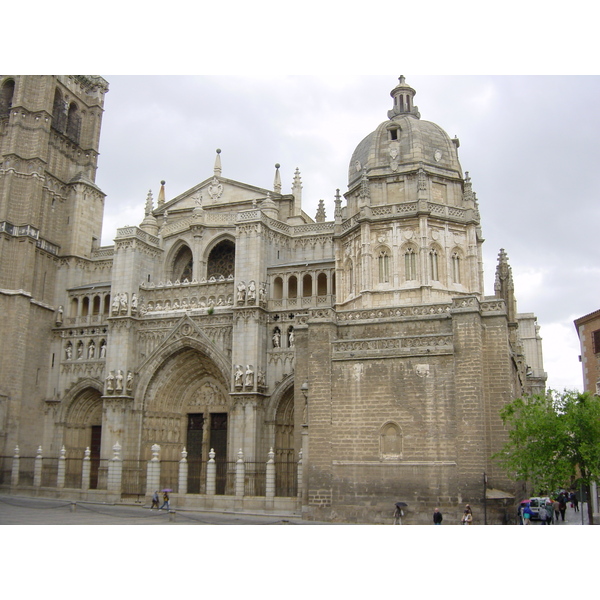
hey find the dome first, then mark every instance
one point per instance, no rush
(404, 143)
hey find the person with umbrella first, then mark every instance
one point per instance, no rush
(165, 499)
(399, 513)
(154, 500)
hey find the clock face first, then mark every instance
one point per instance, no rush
(437, 155)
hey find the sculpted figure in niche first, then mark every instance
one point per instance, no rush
(251, 291)
(115, 305)
(59, 315)
(92, 350)
(276, 338)
(110, 381)
(134, 303)
(249, 376)
(291, 337)
(262, 294)
(69, 351)
(241, 292)
(239, 373)
(80, 350)
(129, 383)
(260, 378)
(119, 381)
(103, 349)
(123, 303)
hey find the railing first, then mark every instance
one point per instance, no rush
(136, 478)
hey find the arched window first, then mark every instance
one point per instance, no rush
(384, 267)
(183, 265)
(74, 307)
(96, 307)
(333, 284)
(292, 287)
(106, 310)
(278, 288)
(73, 130)
(410, 264)
(433, 265)
(6, 97)
(85, 307)
(390, 441)
(307, 286)
(322, 284)
(456, 268)
(59, 115)
(221, 260)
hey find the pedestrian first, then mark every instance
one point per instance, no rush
(398, 514)
(527, 512)
(467, 518)
(165, 501)
(543, 514)
(437, 517)
(154, 500)
(575, 501)
(556, 509)
(562, 506)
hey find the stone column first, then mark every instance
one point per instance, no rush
(240, 474)
(115, 470)
(300, 482)
(270, 479)
(14, 476)
(37, 469)
(86, 470)
(62, 468)
(153, 471)
(211, 474)
(183, 472)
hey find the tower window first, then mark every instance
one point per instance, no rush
(384, 267)
(410, 264)
(433, 265)
(456, 268)
(393, 134)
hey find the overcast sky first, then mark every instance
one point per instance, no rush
(528, 142)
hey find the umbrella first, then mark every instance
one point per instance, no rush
(167, 490)
(401, 504)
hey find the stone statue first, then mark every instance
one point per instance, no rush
(115, 305)
(249, 376)
(59, 315)
(241, 292)
(262, 294)
(123, 303)
(251, 291)
(80, 350)
(260, 378)
(276, 339)
(134, 303)
(69, 351)
(291, 338)
(129, 384)
(119, 381)
(110, 380)
(92, 350)
(239, 373)
(103, 349)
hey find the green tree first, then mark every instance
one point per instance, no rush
(554, 440)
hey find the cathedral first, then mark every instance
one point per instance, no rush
(340, 365)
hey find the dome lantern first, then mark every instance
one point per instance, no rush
(403, 96)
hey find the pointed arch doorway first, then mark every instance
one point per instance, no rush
(286, 466)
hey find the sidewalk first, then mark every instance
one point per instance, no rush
(22, 510)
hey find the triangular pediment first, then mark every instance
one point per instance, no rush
(217, 193)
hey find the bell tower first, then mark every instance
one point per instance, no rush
(51, 211)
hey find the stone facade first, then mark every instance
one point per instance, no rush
(229, 319)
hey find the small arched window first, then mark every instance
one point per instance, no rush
(433, 265)
(73, 129)
(322, 284)
(384, 266)
(390, 441)
(410, 264)
(59, 115)
(6, 97)
(292, 287)
(307, 286)
(278, 288)
(456, 268)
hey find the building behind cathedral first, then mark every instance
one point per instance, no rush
(361, 350)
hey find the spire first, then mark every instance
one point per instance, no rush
(403, 96)
(504, 286)
(218, 163)
(337, 215)
(149, 203)
(320, 217)
(277, 182)
(161, 194)
(297, 192)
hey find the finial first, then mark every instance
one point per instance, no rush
(161, 194)
(277, 182)
(149, 203)
(320, 217)
(218, 163)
